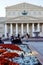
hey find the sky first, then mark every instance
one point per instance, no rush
(5, 3)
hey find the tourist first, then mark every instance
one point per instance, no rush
(1, 42)
(12, 38)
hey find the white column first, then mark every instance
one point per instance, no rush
(16, 29)
(11, 29)
(22, 29)
(6, 31)
(42, 27)
(27, 28)
(38, 27)
(33, 30)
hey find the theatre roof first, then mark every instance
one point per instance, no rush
(25, 5)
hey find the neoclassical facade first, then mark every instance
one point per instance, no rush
(22, 18)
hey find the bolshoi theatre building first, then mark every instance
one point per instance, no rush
(22, 18)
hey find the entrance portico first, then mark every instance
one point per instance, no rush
(22, 28)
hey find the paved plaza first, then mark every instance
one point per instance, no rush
(37, 48)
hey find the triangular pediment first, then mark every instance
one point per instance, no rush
(24, 6)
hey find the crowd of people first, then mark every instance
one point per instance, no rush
(14, 39)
